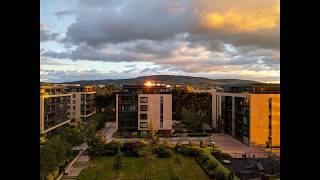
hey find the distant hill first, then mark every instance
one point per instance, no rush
(167, 79)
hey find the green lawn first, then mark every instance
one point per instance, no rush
(136, 168)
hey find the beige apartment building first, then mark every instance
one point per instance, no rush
(62, 104)
(82, 102)
(252, 118)
(139, 105)
(155, 109)
(54, 107)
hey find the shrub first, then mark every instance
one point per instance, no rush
(191, 143)
(113, 148)
(178, 145)
(220, 155)
(197, 134)
(212, 164)
(134, 134)
(163, 152)
(202, 158)
(175, 177)
(166, 144)
(203, 144)
(178, 130)
(188, 150)
(132, 148)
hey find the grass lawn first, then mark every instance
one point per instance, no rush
(136, 168)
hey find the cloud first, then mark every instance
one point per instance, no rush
(76, 75)
(64, 13)
(190, 36)
(46, 35)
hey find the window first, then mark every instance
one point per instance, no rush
(74, 101)
(144, 116)
(74, 107)
(161, 99)
(73, 113)
(143, 99)
(143, 108)
(161, 124)
(143, 124)
(74, 96)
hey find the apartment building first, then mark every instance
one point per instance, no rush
(62, 104)
(54, 108)
(250, 114)
(139, 105)
(82, 102)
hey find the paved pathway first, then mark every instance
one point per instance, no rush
(108, 130)
(77, 167)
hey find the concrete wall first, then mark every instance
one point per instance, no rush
(154, 111)
(259, 119)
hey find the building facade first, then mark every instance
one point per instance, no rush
(54, 108)
(252, 118)
(139, 105)
(63, 104)
(82, 102)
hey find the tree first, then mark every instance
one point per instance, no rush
(97, 145)
(53, 155)
(73, 136)
(147, 151)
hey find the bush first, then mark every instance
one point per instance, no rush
(212, 164)
(202, 158)
(113, 148)
(175, 177)
(197, 134)
(178, 130)
(163, 152)
(203, 144)
(188, 150)
(166, 144)
(191, 143)
(132, 148)
(220, 155)
(178, 145)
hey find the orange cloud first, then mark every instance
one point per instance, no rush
(239, 20)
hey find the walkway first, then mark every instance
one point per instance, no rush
(108, 130)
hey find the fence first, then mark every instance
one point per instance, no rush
(252, 155)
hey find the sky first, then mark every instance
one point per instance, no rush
(116, 39)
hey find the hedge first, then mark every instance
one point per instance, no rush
(207, 162)
(163, 152)
(197, 134)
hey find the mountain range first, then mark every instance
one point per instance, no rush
(167, 79)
